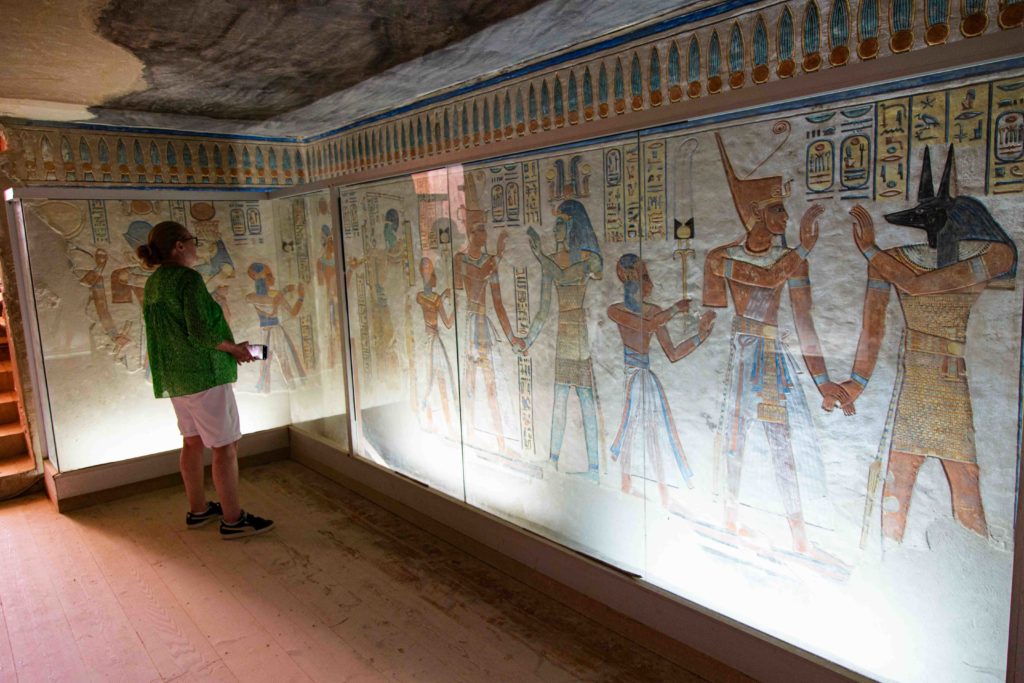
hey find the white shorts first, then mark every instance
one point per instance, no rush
(210, 414)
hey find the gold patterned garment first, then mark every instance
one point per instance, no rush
(933, 414)
(572, 347)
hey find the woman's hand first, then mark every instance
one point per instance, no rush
(240, 351)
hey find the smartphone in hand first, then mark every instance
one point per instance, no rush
(258, 351)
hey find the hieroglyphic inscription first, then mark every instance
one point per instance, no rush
(301, 240)
(364, 323)
(631, 172)
(371, 209)
(655, 199)
(531, 193)
(929, 118)
(308, 341)
(968, 116)
(525, 363)
(432, 206)
(349, 214)
(177, 208)
(505, 191)
(1006, 158)
(614, 197)
(838, 156)
(893, 144)
(237, 214)
(98, 220)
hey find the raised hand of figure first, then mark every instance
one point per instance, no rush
(502, 239)
(707, 320)
(863, 228)
(809, 226)
(682, 306)
(832, 395)
(301, 290)
(853, 390)
(518, 345)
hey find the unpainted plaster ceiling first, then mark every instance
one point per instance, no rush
(295, 68)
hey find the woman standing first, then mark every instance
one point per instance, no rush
(193, 357)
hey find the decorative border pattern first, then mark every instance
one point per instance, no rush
(770, 42)
(760, 43)
(66, 156)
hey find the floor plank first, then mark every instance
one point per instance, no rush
(42, 643)
(106, 641)
(408, 613)
(341, 590)
(174, 643)
(7, 672)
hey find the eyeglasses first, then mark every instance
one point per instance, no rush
(192, 239)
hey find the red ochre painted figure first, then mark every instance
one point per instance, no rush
(762, 384)
(937, 284)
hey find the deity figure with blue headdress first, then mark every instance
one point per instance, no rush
(575, 261)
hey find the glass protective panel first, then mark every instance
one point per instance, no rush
(88, 287)
(310, 257)
(852, 493)
(542, 362)
(397, 239)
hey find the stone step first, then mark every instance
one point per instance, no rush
(12, 439)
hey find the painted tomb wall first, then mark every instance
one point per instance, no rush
(771, 365)
(260, 261)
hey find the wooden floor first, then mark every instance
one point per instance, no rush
(341, 590)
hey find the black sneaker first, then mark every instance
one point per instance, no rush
(247, 525)
(194, 521)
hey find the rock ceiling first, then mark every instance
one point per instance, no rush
(274, 68)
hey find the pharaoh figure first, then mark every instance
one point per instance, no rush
(646, 414)
(574, 262)
(763, 389)
(269, 303)
(439, 369)
(476, 272)
(937, 284)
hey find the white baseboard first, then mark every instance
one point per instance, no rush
(73, 488)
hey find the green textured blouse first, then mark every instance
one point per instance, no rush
(183, 326)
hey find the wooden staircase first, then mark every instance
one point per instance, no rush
(15, 454)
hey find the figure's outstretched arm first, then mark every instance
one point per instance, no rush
(624, 318)
(457, 271)
(714, 278)
(810, 346)
(499, 308)
(769, 278)
(293, 309)
(684, 348)
(872, 330)
(995, 260)
(447, 319)
(542, 312)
